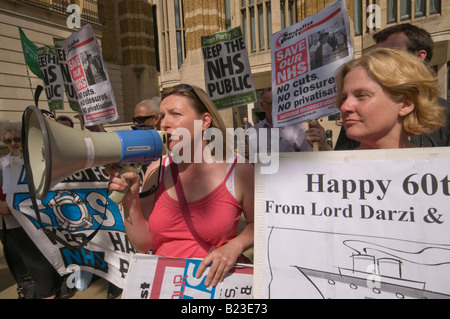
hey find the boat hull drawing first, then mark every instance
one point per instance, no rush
(341, 266)
(367, 285)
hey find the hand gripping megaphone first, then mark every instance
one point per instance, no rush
(53, 152)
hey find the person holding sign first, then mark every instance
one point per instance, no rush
(387, 96)
(195, 211)
(291, 138)
(418, 42)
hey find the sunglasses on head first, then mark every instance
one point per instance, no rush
(15, 139)
(187, 87)
(142, 119)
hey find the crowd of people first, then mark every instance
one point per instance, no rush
(388, 99)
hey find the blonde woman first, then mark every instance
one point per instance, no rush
(387, 96)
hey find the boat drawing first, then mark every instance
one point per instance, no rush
(377, 272)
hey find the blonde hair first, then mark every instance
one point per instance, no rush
(201, 103)
(402, 75)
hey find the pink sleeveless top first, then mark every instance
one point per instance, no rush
(215, 217)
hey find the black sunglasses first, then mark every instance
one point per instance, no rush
(187, 87)
(9, 140)
(142, 119)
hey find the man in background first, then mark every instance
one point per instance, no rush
(146, 114)
(417, 41)
(246, 124)
(292, 138)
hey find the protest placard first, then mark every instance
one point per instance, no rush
(155, 277)
(51, 75)
(69, 88)
(305, 58)
(228, 77)
(73, 210)
(90, 77)
(354, 224)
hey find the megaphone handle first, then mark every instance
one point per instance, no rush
(118, 196)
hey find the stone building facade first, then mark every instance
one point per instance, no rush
(149, 45)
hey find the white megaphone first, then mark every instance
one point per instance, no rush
(53, 152)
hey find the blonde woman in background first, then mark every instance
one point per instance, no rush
(386, 97)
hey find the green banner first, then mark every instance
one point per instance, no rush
(30, 54)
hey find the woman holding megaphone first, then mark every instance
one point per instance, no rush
(195, 211)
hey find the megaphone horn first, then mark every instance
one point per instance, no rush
(53, 152)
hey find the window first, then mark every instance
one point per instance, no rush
(155, 32)
(419, 8)
(392, 11)
(180, 32)
(435, 6)
(288, 13)
(252, 28)
(357, 16)
(227, 15)
(261, 30)
(256, 17)
(165, 40)
(405, 9)
(172, 34)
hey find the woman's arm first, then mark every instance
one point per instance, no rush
(135, 218)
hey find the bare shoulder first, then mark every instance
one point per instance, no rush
(245, 172)
(245, 187)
